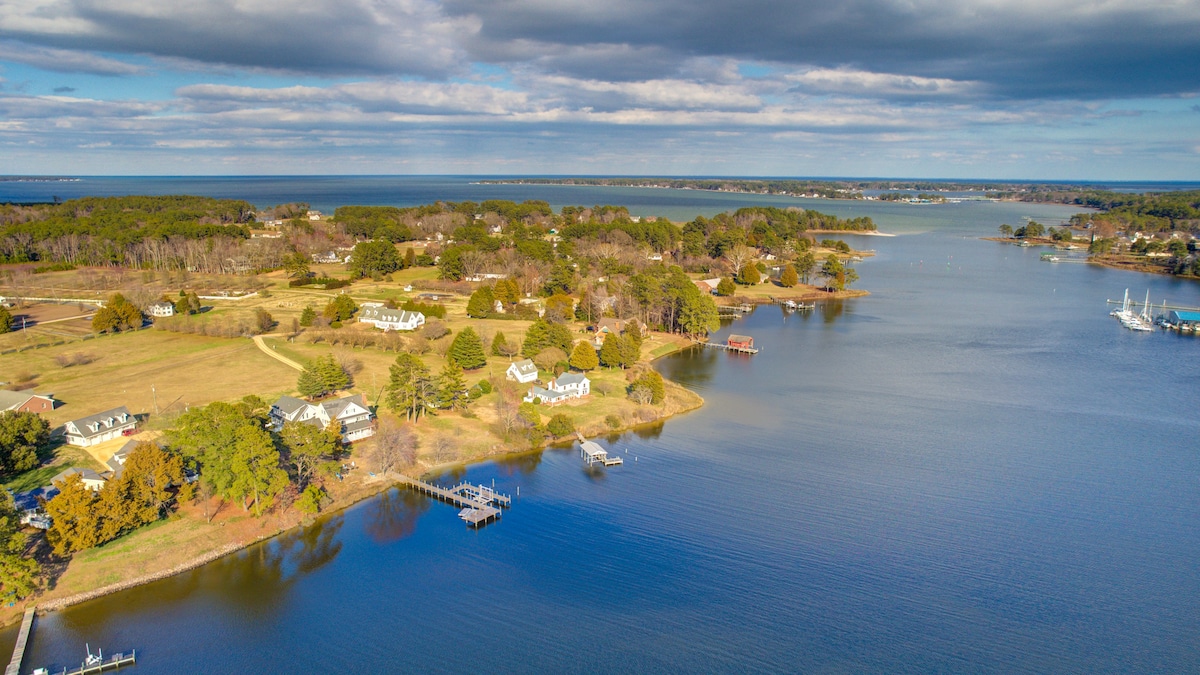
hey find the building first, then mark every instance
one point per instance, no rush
(162, 308)
(88, 431)
(576, 385)
(618, 326)
(546, 396)
(26, 401)
(740, 342)
(91, 479)
(708, 286)
(354, 419)
(116, 463)
(390, 319)
(524, 371)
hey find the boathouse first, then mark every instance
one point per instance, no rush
(740, 342)
(1185, 320)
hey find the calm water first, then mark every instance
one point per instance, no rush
(974, 469)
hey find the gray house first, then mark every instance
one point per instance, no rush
(351, 414)
(88, 431)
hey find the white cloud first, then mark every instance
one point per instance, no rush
(64, 60)
(881, 85)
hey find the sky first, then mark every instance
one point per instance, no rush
(1002, 89)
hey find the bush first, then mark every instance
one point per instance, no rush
(613, 422)
(560, 425)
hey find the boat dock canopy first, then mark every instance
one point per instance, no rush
(1180, 316)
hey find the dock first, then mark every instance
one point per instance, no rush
(593, 454)
(742, 344)
(480, 504)
(14, 666)
(115, 661)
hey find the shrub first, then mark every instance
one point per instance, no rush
(560, 425)
(613, 422)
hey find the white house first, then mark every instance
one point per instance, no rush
(546, 396)
(390, 319)
(524, 371)
(351, 414)
(162, 308)
(91, 480)
(88, 431)
(575, 385)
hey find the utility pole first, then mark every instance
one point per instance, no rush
(154, 393)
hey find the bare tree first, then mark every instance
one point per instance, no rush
(395, 447)
(738, 256)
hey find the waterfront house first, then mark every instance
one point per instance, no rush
(91, 480)
(384, 318)
(26, 401)
(116, 463)
(88, 431)
(353, 418)
(546, 396)
(523, 371)
(575, 385)
(740, 342)
(161, 308)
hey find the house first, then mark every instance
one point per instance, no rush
(91, 479)
(161, 308)
(708, 286)
(116, 463)
(326, 258)
(88, 431)
(546, 396)
(354, 419)
(740, 341)
(576, 385)
(26, 401)
(314, 215)
(390, 319)
(523, 371)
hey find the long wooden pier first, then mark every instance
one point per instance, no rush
(14, 666)
(479, 504)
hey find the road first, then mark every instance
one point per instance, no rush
(258, 340)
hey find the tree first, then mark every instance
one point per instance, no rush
(307, 445)
(296, 265)
(749, 275)
(374, 257)
(409, 387)
(549, 358)
(726, 287)
(467, 349)
(340, 308)
(789, 278)
(584, 356)
(610, 351)
(452, 387)
(321, 376)
(1006, 230)
(308, 316)
(395, 446)
(22, 436)
(116, 315)
(652, 382)
(542, 334)
(75, 520)
(481, 304)
(149, 472)
(560, 425)
(263, 320)
(500, 346)
(631, 351)
(6, 320)
(805, 264)
(310, 500)
(18, 574)
(507, 292)
(254, 463)
(310, 384)
(559, 308)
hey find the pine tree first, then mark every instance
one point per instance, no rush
(499, 345)
(537, 338)
(610, 351)
(409, 386)
(308, 316)
(634, 332)
(749, 274)
(584, 356)
(452, 387)
(482, 303)
(726, 287)
(332, 374)
(631, 353)
(6, 320)
(789, 277)
(311, 384)
(467, 349)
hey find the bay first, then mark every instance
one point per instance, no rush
(973, 469)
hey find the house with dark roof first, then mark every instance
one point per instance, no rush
(88, 431)
(162, 308)
(91, 480)
(26, 401)
(354, 419)
(385, 318)
(523, 371)
(116, 463)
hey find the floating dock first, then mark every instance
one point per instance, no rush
(480, 504)
(593, 454)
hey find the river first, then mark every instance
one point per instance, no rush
(974, 469)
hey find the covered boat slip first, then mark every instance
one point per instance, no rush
(592, 453)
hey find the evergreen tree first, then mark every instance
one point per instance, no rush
(410, 257)
(537, 338)
(310, 383)
(560, 425)
(6, 320)
(452, 387)
(651, 381)
(340, 308)
(633, 332)
(22, 436)
(789, 278)
(409, 386)
(467, 349)
(584, 356)
(75, 520)
(308, 316)
(749, 275)
(631, 353)
(254, 463)
(500, 345)
(482, 303)
(374, 257)
(333, 376)
(507, 292)
(726, 287)
(610, 351)
(307, 444)
(18, 574)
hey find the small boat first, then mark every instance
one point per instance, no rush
(789, 304)
(93, 659)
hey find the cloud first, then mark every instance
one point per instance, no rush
(314, 36)
(882, 85)
(64, 90)
(63, 60)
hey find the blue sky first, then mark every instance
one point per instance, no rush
(1054, 89)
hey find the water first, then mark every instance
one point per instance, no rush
(973, 469)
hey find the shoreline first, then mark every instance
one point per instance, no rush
(686, 400)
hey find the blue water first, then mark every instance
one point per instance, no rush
(974, 469)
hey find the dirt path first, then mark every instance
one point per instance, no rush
(258, 340)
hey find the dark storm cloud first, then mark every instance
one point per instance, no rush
(1021, 49)
(63, 60)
